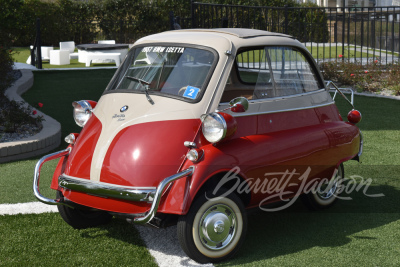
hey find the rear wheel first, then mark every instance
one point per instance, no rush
(80, 218)
(326, 194)
(214, 229)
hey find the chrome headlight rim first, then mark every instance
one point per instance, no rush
(195, 155)
(220, 119)
(80, 107)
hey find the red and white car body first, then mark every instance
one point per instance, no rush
(166, 131)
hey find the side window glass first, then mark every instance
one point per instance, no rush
(270, 72)
(250, 71)
(291, 71)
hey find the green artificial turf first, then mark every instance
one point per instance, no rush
(363, 231)
(56, 90)
(46, 240)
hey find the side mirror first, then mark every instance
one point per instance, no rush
(239, 104)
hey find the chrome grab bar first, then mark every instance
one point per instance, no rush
(157, 198)
(340, 90)
(36, 176)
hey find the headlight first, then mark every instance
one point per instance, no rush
(83, 111)
(217, 126)
(214, 127)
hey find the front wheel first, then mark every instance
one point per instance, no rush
(214, 229)
(79, 218)
(327, 193)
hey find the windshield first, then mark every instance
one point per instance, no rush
(174, 71)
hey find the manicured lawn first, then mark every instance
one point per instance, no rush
(334, 52)
(363, 231)
(21, 54)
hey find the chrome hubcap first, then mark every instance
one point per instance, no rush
(217, 227)
(328, 190)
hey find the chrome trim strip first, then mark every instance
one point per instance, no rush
(244, 114)
(271, 99)
(276, 98)
(215, 89)
(157, 198)
(107, 190)
(36, 176)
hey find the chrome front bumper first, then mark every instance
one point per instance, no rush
(147, 194)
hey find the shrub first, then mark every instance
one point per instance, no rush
(127, 20)
(12, 114)
(16, 114)
(373, 77)
(6, 63)
(10, 21)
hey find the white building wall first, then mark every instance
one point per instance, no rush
(360, 3)
(384, 2)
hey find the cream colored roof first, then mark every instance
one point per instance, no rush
(239, 32)
(217, 38)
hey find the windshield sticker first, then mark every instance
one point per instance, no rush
(162, 49)
(191, 92)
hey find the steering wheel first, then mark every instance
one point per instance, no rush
(182, 91)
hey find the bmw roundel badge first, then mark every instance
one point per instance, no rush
(124, 108)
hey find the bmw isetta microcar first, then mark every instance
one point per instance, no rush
(198, 126)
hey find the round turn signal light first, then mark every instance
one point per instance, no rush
(354, 116)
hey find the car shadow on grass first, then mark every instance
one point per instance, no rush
(296, 229)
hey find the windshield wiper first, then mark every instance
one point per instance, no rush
(145, 85)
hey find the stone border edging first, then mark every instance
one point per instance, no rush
(379, 96)
(44, 141)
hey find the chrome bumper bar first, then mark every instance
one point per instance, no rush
(107, 190)
(148, 194)
(36, 176)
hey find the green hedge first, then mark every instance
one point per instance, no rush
(84, 21)
(122, 20)
(6, 63)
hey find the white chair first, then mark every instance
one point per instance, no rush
(70, 46)
(45, 50)
(59, 57)
(92, 56)
(106, 42)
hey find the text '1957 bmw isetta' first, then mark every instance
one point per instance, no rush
(198, 126)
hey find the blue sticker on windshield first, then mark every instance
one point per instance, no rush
(191, 92)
